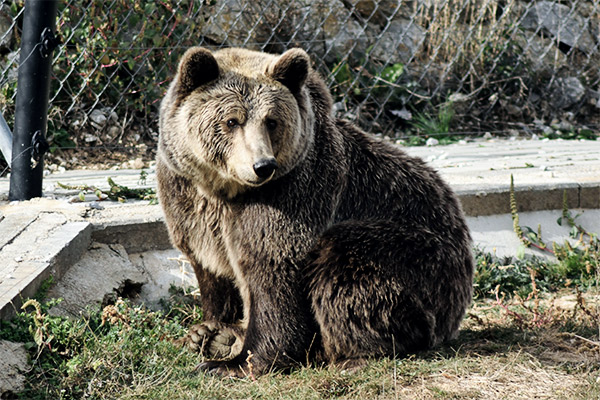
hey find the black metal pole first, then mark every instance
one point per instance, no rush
(31, 107)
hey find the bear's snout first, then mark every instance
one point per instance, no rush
(265, 167)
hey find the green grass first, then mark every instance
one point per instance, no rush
(532, 344)
(533, 331)
(437, 126)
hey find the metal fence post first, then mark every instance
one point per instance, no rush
(31, 106)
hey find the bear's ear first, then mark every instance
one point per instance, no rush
(197, 67)
(291, 69)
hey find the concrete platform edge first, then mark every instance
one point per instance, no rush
(137, 235)
(63, 250)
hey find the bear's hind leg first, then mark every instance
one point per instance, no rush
(379, 290)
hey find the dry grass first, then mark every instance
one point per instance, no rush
(445, 21)
(545, 346)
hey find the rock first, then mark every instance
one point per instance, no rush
(114, 131)
(540, 52)
(338, 107)
(10, 64)
(403, 113)
(379, 11)
(138, 163)
(311, 21)
(164, 268)
(458, 97)
(402, 39)
(13, 363)
(348, 40)
(89, 138)
(561, 22)
(6, 28)
(565, 126)
(241, 24)
(432, 142)
(566, 92)
(258, 25)
(98, 118)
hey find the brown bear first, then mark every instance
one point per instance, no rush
(310, 239)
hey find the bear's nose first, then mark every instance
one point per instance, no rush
(264, 168)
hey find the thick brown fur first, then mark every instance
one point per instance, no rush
(344, 247)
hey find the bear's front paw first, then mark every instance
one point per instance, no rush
(214, 340)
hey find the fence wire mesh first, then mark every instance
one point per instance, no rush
(405, 69)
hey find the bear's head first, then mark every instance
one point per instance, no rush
(235, 119)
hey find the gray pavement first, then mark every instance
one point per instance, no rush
(60, 236)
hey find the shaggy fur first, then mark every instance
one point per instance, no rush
(344, 248)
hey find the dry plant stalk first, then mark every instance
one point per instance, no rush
(515, 214)
(250, 373)
(447, 40)
(534, 316)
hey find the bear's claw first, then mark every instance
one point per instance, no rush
(224, 369)
(213, 340)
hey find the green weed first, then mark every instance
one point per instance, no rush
(116, 192)
(437, 126)
(573, 265)
(533, 327)
(126, 351)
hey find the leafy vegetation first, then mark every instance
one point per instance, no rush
(574, 264)
(127, 351)
(533, 331)
(113, 59)
(116, 192)
(437, 126)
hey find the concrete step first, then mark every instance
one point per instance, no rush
(34, 247)
(46, 236)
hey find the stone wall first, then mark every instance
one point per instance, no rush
(531, 59)
(499, 65)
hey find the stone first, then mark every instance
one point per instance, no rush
(566, 92)
(10, 64)
(314, 21)
(105, 269)
(232, 23)
(350, 40)
(399, 42)
(98, 117)
(562, 22)
(540, 53)
(164, 268)
(379, 11)
(6, 28)
(432, 142)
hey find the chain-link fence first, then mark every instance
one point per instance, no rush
(400, 68)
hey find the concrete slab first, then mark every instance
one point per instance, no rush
(46, 245)
(13, 364)
(162, 268)
(480, 173)
(495, 233)
(107, 271)
(102, 270)
(45, 236)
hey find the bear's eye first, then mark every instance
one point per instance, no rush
(271, 124)
(232, 123)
